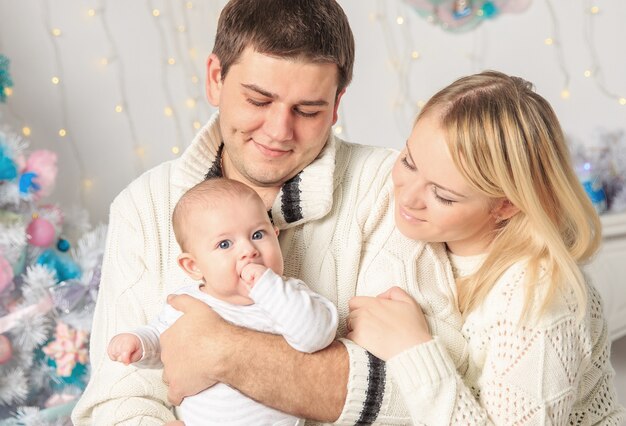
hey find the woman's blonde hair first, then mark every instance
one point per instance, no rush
(508, 144)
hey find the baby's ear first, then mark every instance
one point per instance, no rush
(188, 264)
(276, 230)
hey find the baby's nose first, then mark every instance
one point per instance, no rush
(249, 251)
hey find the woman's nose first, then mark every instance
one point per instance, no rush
(412, 195)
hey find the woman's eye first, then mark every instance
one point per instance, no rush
(441, 199)
(257, 235)
(405, 163)
(224, 244)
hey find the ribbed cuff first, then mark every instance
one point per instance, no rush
(367, 385)
(420, 366)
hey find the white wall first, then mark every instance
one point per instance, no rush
(109, 149)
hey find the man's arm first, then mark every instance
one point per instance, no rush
(259, 365)
(117, 393)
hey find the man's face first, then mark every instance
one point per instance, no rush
(275, 115)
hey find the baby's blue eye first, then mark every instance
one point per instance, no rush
(257, 235)
(224, 244)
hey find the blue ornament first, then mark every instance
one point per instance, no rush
(28, 184)
(63, 266)
(8, 169)
(489, 10)
(63, 245)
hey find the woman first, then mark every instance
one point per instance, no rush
(487, 171)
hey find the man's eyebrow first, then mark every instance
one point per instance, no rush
(271, 95)
(408, 152)
(260, 91)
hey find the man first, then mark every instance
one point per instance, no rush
(277, 73)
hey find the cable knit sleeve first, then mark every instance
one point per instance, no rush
(554, 371)
(129, 296)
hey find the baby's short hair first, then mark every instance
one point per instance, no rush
(208, 194)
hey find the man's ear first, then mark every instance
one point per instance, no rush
(188, 264)
(213, 79)
(336, 109)
(504, 210)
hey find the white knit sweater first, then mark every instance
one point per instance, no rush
(337, 235)
(550, 370)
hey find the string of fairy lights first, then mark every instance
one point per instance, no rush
(595, 70)
(403, 56)
(181, 58)
(58, 80)
(168, 110)
(112, 58)
(403, 53)
(184, 54)
(556, 42)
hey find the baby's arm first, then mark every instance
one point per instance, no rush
(307, 321)
(142, 347)
(125, 348)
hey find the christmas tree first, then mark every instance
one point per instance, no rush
(49, 274)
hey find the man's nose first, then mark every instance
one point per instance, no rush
(279, 123)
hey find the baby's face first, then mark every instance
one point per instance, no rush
(225, 239)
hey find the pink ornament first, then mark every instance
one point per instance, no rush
(6, 273)
(40, 232)
(6, 350)
(44, 164)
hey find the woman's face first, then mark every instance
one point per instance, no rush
(433, 202)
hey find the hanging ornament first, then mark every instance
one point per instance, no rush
(489, 10)
(63, 245)
(464, 15)
(8, 168)
(62, 265)
(40, 232)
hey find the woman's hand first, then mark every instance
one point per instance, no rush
(387, 324)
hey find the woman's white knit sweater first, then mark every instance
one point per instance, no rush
(551, 370)
(337, 235)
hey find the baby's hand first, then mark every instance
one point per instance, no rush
(251, 273)
(125, 348)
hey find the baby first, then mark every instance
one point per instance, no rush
(231, 247)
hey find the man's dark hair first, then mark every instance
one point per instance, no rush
(314, 30)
